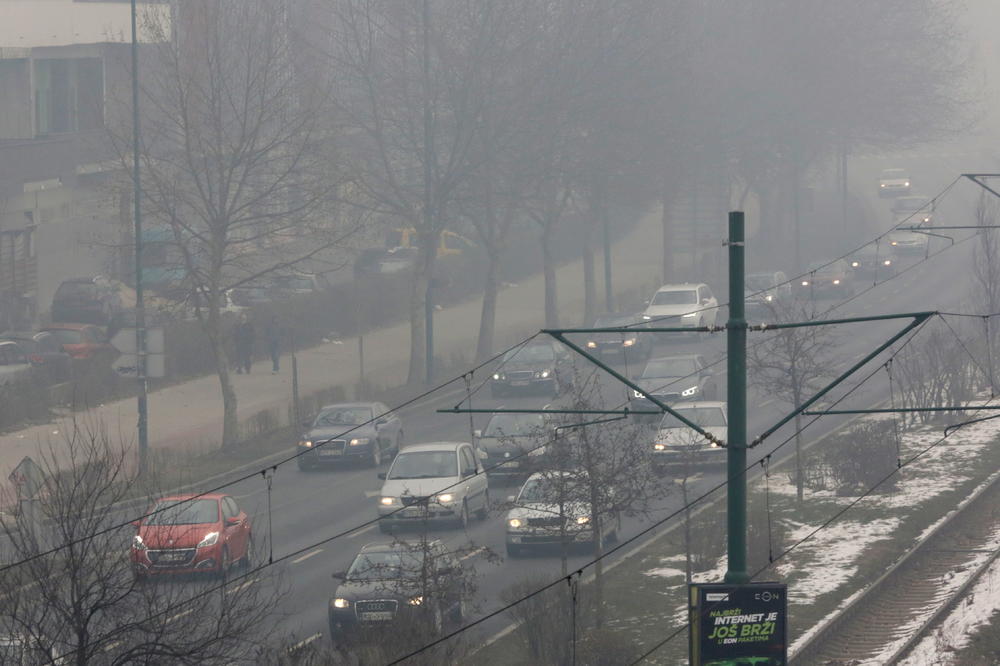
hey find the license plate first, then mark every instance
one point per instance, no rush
(412, 513)
(519, 382)
(173, 557)
(330, 452)
(512, 463)
(376, 616)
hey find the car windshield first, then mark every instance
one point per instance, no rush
(530, 354)
(81, 290)
(386, 565)
(611, 321)
(424, 465)
(677, 297)
(512, 425)
(67, 337)
(343, 416)
(893, 174)
(757, 282)
(184, 512)
(706, 417)
(541, 489)
(670, 367)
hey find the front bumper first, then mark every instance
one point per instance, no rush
(525, 385)
(369, 613)
(893, 190)
(333, 452)
(417, 514)
(702, 455)
(542, 536)
(156, 561)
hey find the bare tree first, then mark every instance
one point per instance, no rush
(236, 165)
(70, 592)
(789, 363)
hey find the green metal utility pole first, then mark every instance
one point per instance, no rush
(736, 453)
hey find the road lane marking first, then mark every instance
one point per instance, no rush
(470, 554)
(766, 403)
(301, 644)
(180, 615)
(361, 531)
(307, 556)
(242, 586)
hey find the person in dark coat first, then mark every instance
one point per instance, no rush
(274, 343)
(244, 345)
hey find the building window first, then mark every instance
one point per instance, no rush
(69, 95)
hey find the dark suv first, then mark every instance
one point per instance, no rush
(85, 301)
(390, 583)
(675, 378)
(540, 366)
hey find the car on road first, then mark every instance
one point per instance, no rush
(674, 378)
(551, 509)
(81, 341)
(686, 305)
(350, 431)
(92, 300)
(191, 534)
(14, 361)
(893, 183)
(438, 482)
(512, 444)
(764, 290)
(44, 352)
(677, 443)
(630, 345)
(540, 367)
(390, 583)
(827, 279)
(915, 209)
(872, 262)
(906, 241)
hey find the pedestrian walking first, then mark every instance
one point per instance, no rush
(274, 343)
(244, 345)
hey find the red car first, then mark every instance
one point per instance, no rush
(192, 533)
(81, 341)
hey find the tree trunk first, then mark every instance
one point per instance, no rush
(595, 519)
(799, 476)
(549, 272)
(589, 288)
(218, 340)
(487, 318)
(418, 331)
(667, 224)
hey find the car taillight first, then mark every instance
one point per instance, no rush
(35, 358)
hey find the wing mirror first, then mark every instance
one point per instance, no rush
(232, 520)
(339, 575)
(511, 499)
(477, 433)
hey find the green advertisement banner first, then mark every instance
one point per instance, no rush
(738, 625)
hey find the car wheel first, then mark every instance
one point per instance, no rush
(376, 459)
(482, 513)
(247, 559)
(463, 518)
(224, 562)
(514, 551)
(399, 443)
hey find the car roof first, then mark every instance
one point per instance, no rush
(698, 404)
(681, 286)
(395, 546)
(551, 473)
(347, 405)
(432, 446)
(667, 356)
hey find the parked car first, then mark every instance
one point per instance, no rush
(14, 361)
(873, 262)
(518, 436)
(893, 183)
(630, 345)
(356, 431)
(398, 260)
(397, 582)
(827, 279)
(299, 283)
(543, 366)
(674, 378)
(192, 533)
(81, 341)
(687, 305)
(42, 351)
(440, 482)
(91, 300)
(677, 443)
(553, 508)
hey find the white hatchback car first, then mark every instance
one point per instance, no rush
(441, 482)
(677, 443)
(893, 183)
(687, 305)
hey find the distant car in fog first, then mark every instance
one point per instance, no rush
(764, 290)
(510, 444)
(678, 443)
(905, 241)
(397, 260)
(827, 279)
(43, 351)
(299, 283)
(543, 366)
(916, 210)
(81, 341)
(893, 183)
(630, 345)
(91, 300)
(13, 361)
(675, 378)
(687, 305)
(873, 262)
(350, 431)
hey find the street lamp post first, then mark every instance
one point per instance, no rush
(140, 310)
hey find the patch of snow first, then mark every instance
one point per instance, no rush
(665, 572)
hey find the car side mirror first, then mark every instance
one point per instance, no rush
(136, 524)
(381, 475)
(339, 575)
(381, 422)
(477, 433)
(511, 498)
(232, 520)
(469, 471)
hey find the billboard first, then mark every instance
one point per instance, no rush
(738, 625)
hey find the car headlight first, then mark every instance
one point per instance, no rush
(646, 317)
(341, 603)
(714, 445)
(591, 344)
(893, 243)
(444, 498)
(836, 281)
(689, 315)
(855, 264)
(359, 441)
(887, 262)
(927, 219)
(769, 298)
(387, 501)
(543, 374)
(514, 522)
(629, 342)
(906, 184)
(688, 392)
(659, 446)
(583, 520)
(415, 601)
(306, 443)
(210, 540)
(497, 376)
(137, 543)
(805, 283)
(881, 184)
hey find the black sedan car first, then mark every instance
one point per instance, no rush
(872, 262)
(511, 444)
(827, 279)
(543, 367)
(631, 346)
(393, 584)
(360, 431)
(675, 378)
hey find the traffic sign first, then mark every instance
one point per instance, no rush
(127, 365)
(28, 477)
(125, 342)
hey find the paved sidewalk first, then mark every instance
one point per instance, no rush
(188, 415)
